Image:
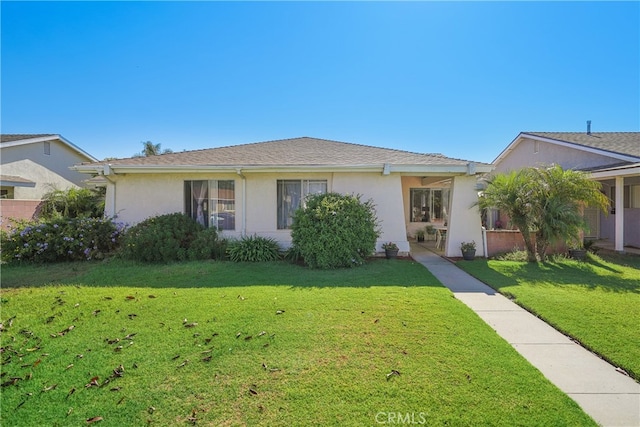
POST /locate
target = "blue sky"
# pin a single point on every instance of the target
(457, 78)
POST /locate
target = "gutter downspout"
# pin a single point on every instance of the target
(243, 217)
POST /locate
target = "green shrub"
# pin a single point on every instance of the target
(515, 255)
(253, 249)
(60, 239)
(72, 203)
(206, 245)
(335, 230)
(163, 238)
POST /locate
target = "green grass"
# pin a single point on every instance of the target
(287, 346)
(597, 302)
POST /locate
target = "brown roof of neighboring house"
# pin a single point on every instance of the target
(625, 143)
(303, 151)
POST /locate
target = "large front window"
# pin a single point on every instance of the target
(429, 204)
(212, 203)
(291, 194)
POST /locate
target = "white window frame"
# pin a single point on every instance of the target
(208, 207)
(288, 203)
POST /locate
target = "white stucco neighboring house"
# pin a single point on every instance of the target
(254, 188)
(612, 158)
(32, 165)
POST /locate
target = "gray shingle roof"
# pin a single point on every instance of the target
(303, 151)
(626, 143)
(10, 137)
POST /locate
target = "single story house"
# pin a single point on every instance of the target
(611, 158)
(254, 188)
(32, 165)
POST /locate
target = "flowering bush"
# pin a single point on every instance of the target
(60, 239)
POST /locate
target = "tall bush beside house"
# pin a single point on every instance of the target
(207, 245)
(334, 230)
(163, 238)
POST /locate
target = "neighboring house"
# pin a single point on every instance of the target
(612, 158)
(255, 188)
(31, 166)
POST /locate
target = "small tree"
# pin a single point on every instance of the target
(513, 193)
(561, 197)
(548, 201)
(335, 230)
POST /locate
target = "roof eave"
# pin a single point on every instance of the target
(628, 170)
(410, 169)
(585, 148)
(52, 137)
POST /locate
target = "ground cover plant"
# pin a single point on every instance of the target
(221, 343)
(597, 302)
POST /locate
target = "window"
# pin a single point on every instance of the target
(291, 195)
(47, 148)
(634, 192)
(6, 193)
(626, 200)
(429, 204)
(212, 203)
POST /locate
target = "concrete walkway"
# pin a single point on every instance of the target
(609, 397)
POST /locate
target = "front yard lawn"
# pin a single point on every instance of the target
(596, 302)
(217, 343)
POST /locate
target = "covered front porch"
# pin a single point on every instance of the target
(444, 208)
(622, 224)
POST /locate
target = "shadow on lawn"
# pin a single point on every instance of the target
(563, 273)
(217, 274)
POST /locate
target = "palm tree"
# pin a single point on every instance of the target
(548, 201)
(562, 196)
(150, 149)
(512, 193)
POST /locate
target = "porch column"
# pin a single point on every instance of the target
(110, 200)
(465, 224)
(619, 219)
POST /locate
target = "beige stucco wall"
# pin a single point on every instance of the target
(386, 193)
(138, 196)
(58, 162)
(524, 154)
(45, 179)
